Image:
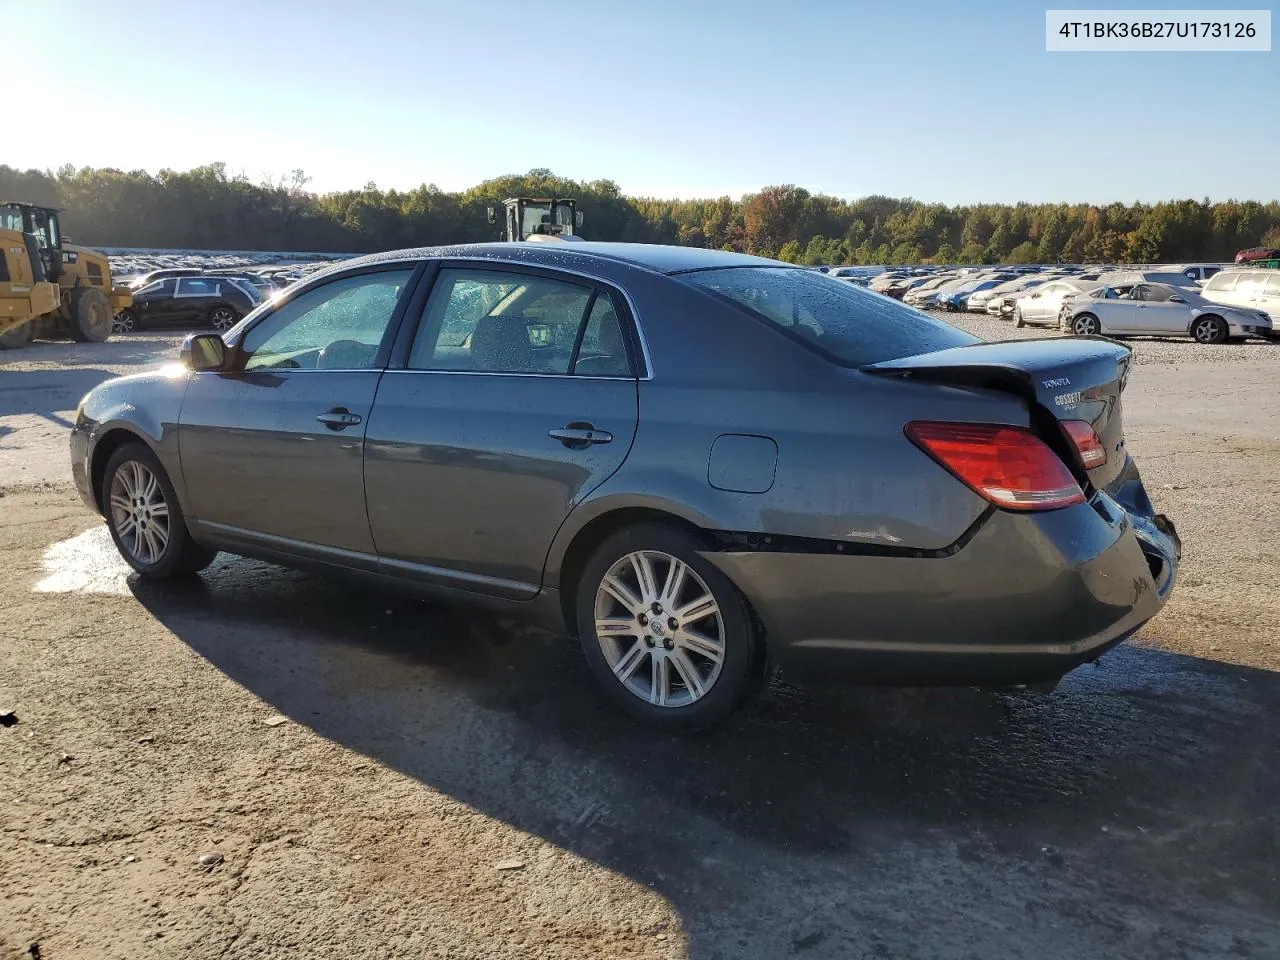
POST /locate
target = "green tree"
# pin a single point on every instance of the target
(790, 252)
(1024, 252)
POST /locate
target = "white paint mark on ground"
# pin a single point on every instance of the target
(87, 563)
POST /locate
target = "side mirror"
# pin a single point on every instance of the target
(577, 218)
(202, 352)
(1177, 299)
(493, 215)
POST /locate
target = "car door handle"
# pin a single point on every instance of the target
(580, 435)
(339, 418)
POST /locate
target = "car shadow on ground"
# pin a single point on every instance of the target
(825, 793)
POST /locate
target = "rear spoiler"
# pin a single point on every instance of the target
(1048, 372)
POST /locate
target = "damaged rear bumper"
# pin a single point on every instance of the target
(1026, 599)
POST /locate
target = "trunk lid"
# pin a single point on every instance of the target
(1070, 379)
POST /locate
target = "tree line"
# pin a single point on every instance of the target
(211, 208)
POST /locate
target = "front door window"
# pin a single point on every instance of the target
(337, 326)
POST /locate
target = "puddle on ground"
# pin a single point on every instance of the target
(87, 563)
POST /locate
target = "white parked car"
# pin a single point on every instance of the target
(989, 300)
(1127, 278)
(1158, 309)
(1197, 273)
(1040, 307)
(1249, 289)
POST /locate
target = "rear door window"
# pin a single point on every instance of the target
(199, 287)
(498, 321)
(840, 321)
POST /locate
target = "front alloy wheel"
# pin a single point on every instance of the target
(1209, 330)
(144, 516)
(140, 513)
(659, 627)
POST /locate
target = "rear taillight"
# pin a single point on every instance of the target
(1009, 466)
(1085, 440)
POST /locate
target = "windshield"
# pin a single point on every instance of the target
(11, 219)
(843, 322)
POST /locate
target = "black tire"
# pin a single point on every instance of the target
(222, 318)
(1209, 329)
(126, 321)
(181, 556)
(90, 315)
(1085, 325)
(18, 337)
(742, 665)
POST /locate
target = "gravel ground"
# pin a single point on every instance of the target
(270, 763)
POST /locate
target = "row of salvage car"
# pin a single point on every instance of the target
(1205, 303)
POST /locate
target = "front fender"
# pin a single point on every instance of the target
(145, 406)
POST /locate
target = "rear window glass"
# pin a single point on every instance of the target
(845, 323)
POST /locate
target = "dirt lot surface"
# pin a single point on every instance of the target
(274, 764)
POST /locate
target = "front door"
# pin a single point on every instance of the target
(1160, 310)
(153, 305)
(272, 449)
(517, 399)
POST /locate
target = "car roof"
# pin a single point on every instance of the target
(650, 256)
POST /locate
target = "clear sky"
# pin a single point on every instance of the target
(949, 101)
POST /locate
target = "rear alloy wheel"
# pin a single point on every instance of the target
(1209, 329)
(1086, 325)
(222, 319)
(144, 517)
(665, 632)
(123, 322)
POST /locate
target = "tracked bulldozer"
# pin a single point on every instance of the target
(49, 288)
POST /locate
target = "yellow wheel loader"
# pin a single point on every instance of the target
(49, 288)
(533, 218)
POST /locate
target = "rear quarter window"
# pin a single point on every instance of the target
(840, 321)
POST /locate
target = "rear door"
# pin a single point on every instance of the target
(193, 298)
(272, 448)
(517, 398)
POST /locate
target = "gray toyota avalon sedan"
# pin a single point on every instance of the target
(699, 463)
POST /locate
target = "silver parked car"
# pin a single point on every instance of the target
(1158, 309)
(1041, 307)
(696, 462)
